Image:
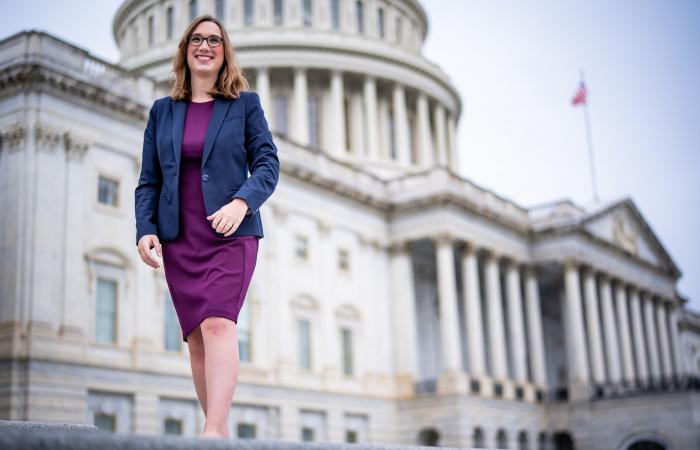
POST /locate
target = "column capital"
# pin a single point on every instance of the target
(529, 270)
(605, 277)
(468, 248)
(299, 70)
(492, 255)
(634, 290)
(571, 263)
(511, 262)
(399, 246)
(443, 237)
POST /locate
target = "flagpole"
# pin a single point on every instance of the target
(590, 143)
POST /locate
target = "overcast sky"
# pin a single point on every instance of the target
(516, 66)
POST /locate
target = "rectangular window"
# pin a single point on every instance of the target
(245, 431)
(343, 259)
(172, 426)
(307, 434)
(347, 351)
(380, 22)
(308, 13)
(278, 11)
(304, 344)
(360, 15)
(248, 12)
(301, 247)
(108, 191)
(350, 436)
(172, 326)
(150, 31)
(243, 333)
(335, 14)
(220, 9)
(169, 22)
(105, 422)
(106, 311)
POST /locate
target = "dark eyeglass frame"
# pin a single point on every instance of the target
(215, 42)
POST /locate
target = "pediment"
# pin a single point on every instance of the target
(622, 225)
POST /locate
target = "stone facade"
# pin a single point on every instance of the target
(394, 301)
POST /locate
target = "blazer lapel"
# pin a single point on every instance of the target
(179, 108)
(221, 106)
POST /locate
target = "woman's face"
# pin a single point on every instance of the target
(205, 60)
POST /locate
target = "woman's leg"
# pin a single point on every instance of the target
(221, 372)
(196, 346)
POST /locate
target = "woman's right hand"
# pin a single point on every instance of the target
(146, 243)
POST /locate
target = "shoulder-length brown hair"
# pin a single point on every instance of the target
(231, 80)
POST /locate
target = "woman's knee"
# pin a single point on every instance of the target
(216, 326)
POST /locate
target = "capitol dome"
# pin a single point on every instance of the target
(345, 77)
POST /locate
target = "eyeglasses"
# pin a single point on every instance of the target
(212, 41)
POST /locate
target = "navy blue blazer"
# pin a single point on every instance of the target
(237, 140)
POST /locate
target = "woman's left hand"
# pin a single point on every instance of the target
(231, 213)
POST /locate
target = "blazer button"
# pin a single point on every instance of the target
(205, 177)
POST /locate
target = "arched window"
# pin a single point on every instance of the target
(248, 10)
(278, 12)
(169, 23)
(360, 16)
(478, 438)
(522, 441)
(335, 14)
(193, 9)
(220, 9)
(151, 31)
(501, 439)
(308, 13)
(380, 22)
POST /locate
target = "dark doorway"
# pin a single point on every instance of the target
(428, 437)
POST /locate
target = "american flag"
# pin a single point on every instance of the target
(580, 96)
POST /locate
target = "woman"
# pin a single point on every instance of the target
(196, 206)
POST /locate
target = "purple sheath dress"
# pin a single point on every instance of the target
(207, 274)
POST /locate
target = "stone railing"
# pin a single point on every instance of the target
(35, 436)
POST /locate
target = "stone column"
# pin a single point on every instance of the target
(337, 113)
(612, 345)
(638, 335)
(576, 339)
(534, 321)
(300, 132)
(371, 124)
(452, 147)
(673, 318)
(652, 341)
(516, 321)
(263, 89)
(440, 138)
(404, 308)
(592, 319)
(473, 316)
(625, 334)
(449, 318)
(497, 338)
(401, 125)
(664, 342)
(424, 146)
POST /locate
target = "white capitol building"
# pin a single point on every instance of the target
(394, 300)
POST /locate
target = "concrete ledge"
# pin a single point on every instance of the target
(13, 439)
(10, 425)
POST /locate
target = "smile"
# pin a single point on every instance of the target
(204, 57)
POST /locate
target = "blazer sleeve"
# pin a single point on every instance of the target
(150, 181)
(261, 155)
